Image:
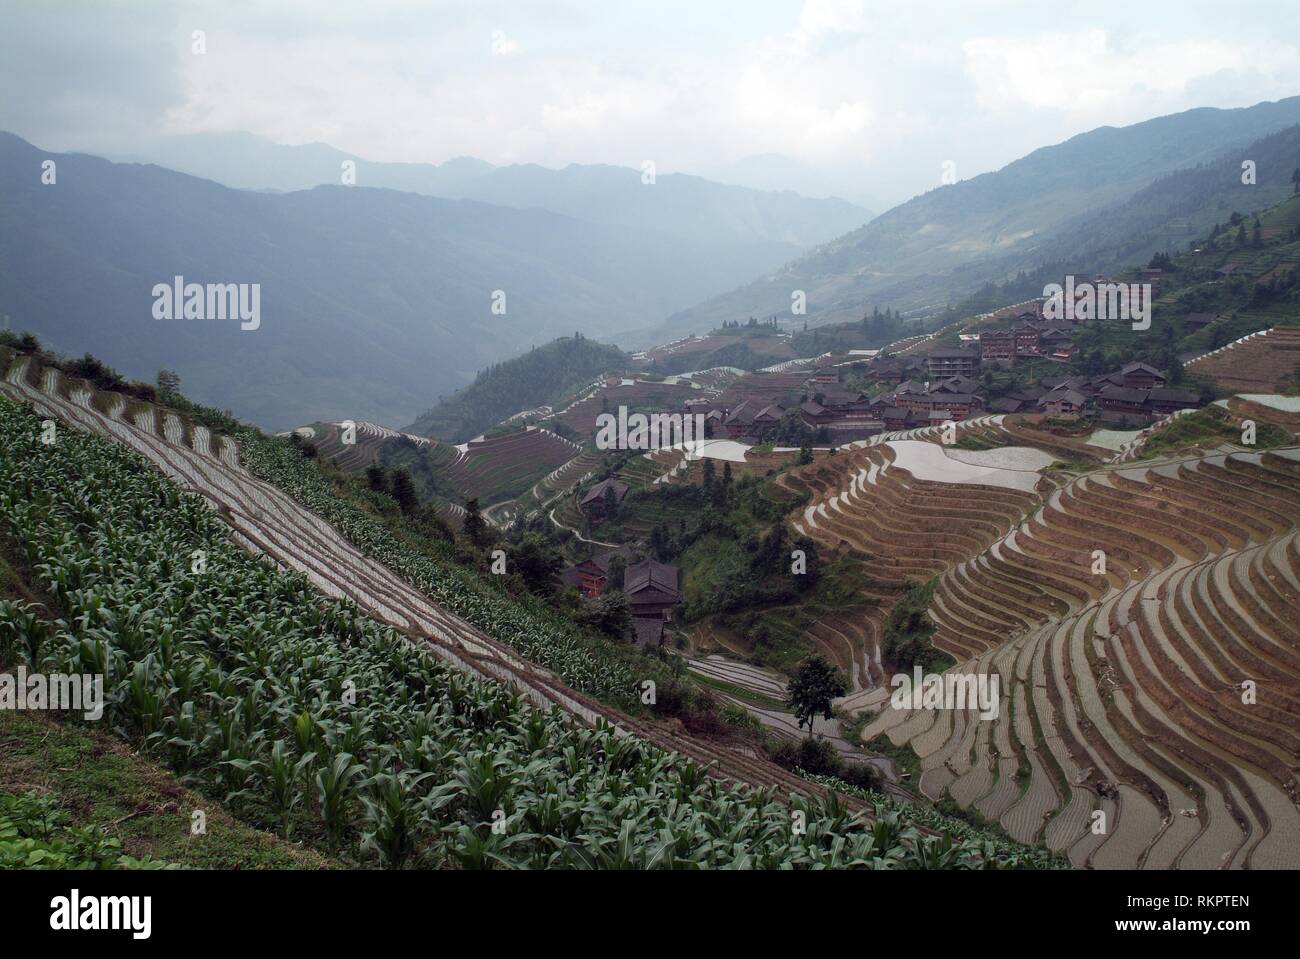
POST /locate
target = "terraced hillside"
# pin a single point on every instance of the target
(890, 506)
(105, 529)
(369, 440)
(492, 470)
(1121, 690)
(637, 395)
(265, 520)
(502, 467)
(1262, 363)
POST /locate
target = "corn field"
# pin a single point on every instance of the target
(541, 637)
(308, 718)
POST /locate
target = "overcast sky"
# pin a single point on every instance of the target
(872, 96)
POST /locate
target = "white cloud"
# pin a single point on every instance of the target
(1086, 72)
(820, 17)
(869, 92)
(503, 46)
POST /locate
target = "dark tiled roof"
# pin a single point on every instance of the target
(597, 492)
(1121, 394)
(955, 384)
(649, 574)
(1073, 397)
(743, 414)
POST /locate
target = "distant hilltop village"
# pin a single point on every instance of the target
(855, 394)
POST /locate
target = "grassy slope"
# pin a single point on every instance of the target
(98, 781)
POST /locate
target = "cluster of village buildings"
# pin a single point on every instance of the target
(918, 390)
(650, 587)
(942, 385)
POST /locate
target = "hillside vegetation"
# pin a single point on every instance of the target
(373, 302)
(320, 722)
(1094, 202)
(542, 376)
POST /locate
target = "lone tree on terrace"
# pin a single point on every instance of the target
(474, 526)
(814, 687)
(169, 381)
(404, 491)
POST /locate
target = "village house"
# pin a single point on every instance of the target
(1063, 404)
(943, 363)
(593, 504)
(1056, 342)
(766, 420)
(739, 421)
(814, 414)
(896, 418)
(1139, 376)
(1163, 400)
(955, 384)
(1123, 399)
(955, 406)
(591, 576)
(998, 346)
(652, 594)
(895, 369)
(1027, 340)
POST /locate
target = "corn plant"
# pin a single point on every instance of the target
(236, 682)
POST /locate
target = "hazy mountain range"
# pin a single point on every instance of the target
(674, 203)
(1060, 203)
(374, 302)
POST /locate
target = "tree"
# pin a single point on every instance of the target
(376, 478)
(708, 475)
(661, 543)
(1295, 178)
(537, 561)
(614, 575)
(168, 381)
(805, 455)
(726, 473)
(611, 502)
(608, 613)
(404, 491)
(474, 526)
(816, 684)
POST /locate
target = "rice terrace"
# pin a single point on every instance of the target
(438, 438)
